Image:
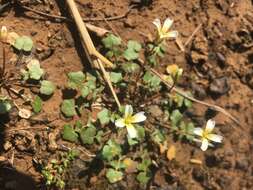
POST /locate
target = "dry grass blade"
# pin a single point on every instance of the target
(90, 49)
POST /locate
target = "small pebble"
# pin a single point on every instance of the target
(219, 86)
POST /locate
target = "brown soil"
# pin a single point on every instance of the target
(222, 48)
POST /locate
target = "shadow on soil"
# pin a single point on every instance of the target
(10, 178)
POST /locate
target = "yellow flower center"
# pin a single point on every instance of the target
(129, 120)
(205, 134)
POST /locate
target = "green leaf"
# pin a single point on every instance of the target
(111, 40)
(189, 131)
(85, 91)
(179, 100)
(69, 134)
(132, 51)
(116, 164)
(176, 117)
(24, 74)
(110, 150)
(5, 105)
(87, 134)
(24, 43)
(104, 116)
(91, 84)
(37, 104)
(68, 108)
(187, 103)
(99, 135)
(75, 79)
(47, 87)
(143, 177)
(152, 80)
(131, 141)
(115, 77)
(158, 136)
(134, 45)
(78, 125)
(34, 70)
(113, 175)
(140, 132)
(130, 54)
(130, 67)
(144, 165)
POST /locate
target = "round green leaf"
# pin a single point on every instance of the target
(69, 134)
(115, 77)
(88, 134)
(23, 43)
(28, 43)
(47, 87)
(113, 175)
(68, 108)
(34, 70)
(75, 79)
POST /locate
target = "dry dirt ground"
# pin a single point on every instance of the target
(219, 57)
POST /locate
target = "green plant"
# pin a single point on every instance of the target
(151, 81)
(86, 134)
(54, 171)
(37, 104)
(47, 87)
(34, 71)
(144, 174)
(68, 108)
(112, 43)
(23, 43)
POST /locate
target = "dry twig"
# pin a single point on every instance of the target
(84, 19)
(178, 91)
(192, 35)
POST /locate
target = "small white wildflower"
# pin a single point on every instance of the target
(129, 119)
(163, 31)
(206, 135)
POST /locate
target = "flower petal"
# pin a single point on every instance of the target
(204, 144)
(128, 111)
(198, 131)
(166, 25)
(171, 34)
(210, 125)
(197, 140)
(120, 123)
(215, 138)
(139, 117)
(132, 132)
(157, 23)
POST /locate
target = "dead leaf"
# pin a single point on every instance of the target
(101, 32)
(24, 113)
(196, 161)
(131, 166)
(172, 69)
(171, 153)
(163, 147)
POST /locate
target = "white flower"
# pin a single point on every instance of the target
(163, 31)
(129, 119)
(206, 135)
